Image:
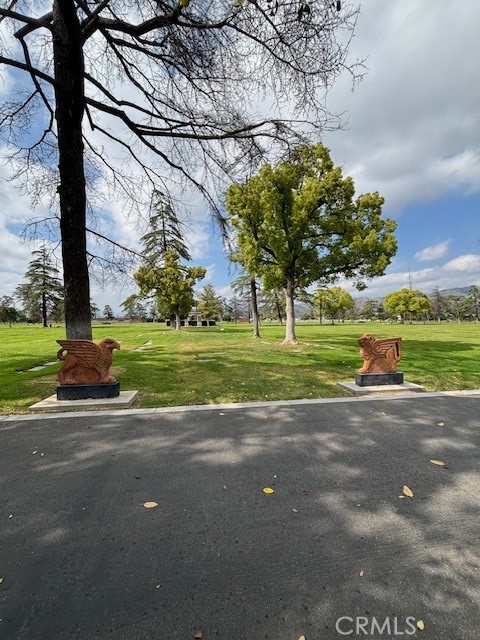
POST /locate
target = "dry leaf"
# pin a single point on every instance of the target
(359, 504)
(10, 516)
(157, 586)
(302, 638)
(221, 414)
(150, 505)
(1, 580)
(421, 625)
(439, 463)
(33, 453)
(225, 487)
(441, 424)
(294, 510)
(401, 496)
(198, 634)
(268, 490)
(362, 573)
(407, 491)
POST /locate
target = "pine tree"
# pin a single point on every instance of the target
(164, 231)
(209, 304)
(43, 291)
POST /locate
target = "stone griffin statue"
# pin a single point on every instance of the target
(86, 362)
(380, 356)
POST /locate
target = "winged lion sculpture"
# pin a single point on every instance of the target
(86, 362)
(380, 356)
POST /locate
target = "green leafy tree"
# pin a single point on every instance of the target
(296, 223)
(209, 304)
(273, 304)
(134, 308)
(172, 284)
(94, 309)
(169, 86)
(237, 308)
(108, 313)
(319, 302)
(369, 309)
(438, 304)
(8, 313)
(457, 306)
(411, 302)
(334, 302)
(474, 297)
(246, 287)
(43, 291)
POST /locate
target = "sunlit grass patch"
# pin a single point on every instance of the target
(199, 365)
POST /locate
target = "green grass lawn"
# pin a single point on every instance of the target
(225, 364)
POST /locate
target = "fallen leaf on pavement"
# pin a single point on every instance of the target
(441, 424)
(439, 463)
(268, 490)
(302, 638)
(198, 634)
(34, 452)
(1, 580)
(362, 573)
(294, 510)
(150, 505)
(421, 625)
(407, 491)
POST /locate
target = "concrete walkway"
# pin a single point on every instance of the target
(334, 550)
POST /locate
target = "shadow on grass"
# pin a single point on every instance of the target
(83, 559)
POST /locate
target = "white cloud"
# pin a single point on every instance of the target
(434, 251)
(413, 130)
(461, 271)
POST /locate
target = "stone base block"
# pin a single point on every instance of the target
(375, 379)
(87, 391)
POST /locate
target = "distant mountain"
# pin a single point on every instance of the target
(456, 291)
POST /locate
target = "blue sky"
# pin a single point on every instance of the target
(413, 134)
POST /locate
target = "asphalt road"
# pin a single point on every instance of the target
(334, 547)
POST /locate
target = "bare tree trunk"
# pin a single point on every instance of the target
(70, 104)
(255, 315)
(44, 308)
(290, 337)
(178, 321)
(279, 309)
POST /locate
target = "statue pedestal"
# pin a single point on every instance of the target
(87, 391)
(374, 379)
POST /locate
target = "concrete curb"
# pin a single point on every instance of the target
(475, 393)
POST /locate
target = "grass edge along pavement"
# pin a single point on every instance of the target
(224, 364)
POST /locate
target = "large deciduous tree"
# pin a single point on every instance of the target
(411, 302)
(296, 222)
(169, 84)
(333, 302)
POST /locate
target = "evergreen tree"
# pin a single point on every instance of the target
(209, 304)
(8, 313)
(172, 284)
(108, 313)
(43, 291)
(164, 231)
